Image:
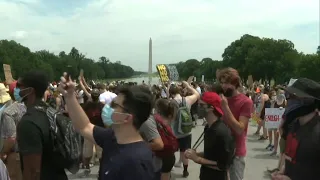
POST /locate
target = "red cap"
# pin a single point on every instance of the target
(214, 100)
(12, 86)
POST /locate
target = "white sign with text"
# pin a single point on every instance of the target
(273, 117)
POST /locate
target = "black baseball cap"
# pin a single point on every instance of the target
(306, 88)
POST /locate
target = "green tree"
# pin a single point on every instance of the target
(23, 60)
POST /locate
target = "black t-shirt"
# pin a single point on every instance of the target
(34, 138)
(218, 146)
(123, 161)
(303, 151)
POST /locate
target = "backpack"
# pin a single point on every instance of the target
(66, 142)
(170, 142)
(185, 123)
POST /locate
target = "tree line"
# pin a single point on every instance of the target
(23, 60)
(263, 58)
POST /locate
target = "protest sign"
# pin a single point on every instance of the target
(162, 70)
(167, 72)
(173, 72)
(7, 73)
(273, 117)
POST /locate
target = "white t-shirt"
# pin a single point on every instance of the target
(80, 97)
(107, 97)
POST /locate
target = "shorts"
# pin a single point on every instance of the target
(236, 170)
(88, 149)
(184, 143)
(282, 145)
(167, 163)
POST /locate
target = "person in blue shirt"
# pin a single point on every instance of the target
(126, 156)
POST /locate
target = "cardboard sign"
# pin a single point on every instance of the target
(273, 117)
(167, 72)
(7, 73)
(173, 72)
(162, 70)
(250, 81)
(81, 73)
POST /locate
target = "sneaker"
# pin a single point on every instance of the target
(273, 170)
(263, 138)
(273, 153)
(178, 164)
(85, 173)
(185, 174)
(268, 146)
(271, 148)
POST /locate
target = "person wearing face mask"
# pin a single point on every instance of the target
(302, 133)
(237, 109)
(125, 155)
(9, 120)
(33, 131)
(218, 141)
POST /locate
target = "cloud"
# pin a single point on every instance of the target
(180, 29)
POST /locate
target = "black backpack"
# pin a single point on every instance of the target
(66, 141)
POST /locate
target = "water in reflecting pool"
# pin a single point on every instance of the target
(154, 80)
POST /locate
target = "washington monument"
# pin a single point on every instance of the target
(150, 60)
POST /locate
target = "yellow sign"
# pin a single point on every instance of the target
(255, 118)
(163, 73)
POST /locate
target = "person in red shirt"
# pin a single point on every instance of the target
(237, 109)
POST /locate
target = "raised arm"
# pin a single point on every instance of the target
(195, 94)
(79, 118)
(84, 88)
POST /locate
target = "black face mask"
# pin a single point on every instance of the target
(202, 112)
(299, 112)
(299, 107)
(228, 92)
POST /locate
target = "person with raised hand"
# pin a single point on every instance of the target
(125, 154)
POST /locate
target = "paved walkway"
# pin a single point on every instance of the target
(258, 160)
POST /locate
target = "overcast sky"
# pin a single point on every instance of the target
(180, 29)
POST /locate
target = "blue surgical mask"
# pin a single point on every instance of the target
(16, 94)
(106, 115)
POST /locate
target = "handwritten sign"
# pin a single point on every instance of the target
(173, 72)
(7, 73)
(167, 72)
(273, 117)
(163, 73)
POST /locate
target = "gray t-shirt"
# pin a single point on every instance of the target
(4, 175)
(149, 131)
